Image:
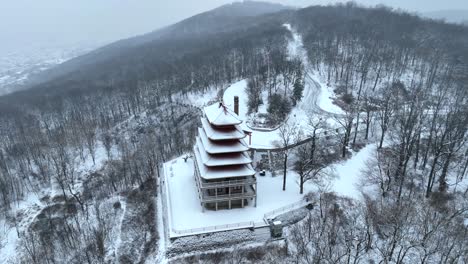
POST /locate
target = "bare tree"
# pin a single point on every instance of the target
(311, 158)
(107, 142)
(379, 171)
(346, 122)
(289, 135)
(333, 232)
(386, 106)
(254, 93)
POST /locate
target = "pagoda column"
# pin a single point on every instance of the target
(229, 192)
(242, 196)
(216, 195)
(255, 192)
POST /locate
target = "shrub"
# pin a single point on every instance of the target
(279, 107)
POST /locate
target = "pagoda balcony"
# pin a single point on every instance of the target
(226, 194)
(208, 197)
(228, 183)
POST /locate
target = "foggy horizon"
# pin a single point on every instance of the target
(53, 22)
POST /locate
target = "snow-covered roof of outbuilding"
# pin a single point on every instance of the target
(214, 133)
(214, 147)
(212, 173)
(209, 160)
(220, 115)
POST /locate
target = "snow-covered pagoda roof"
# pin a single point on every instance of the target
(209, 160)
(214, 133)
(212, 173)
(214, 147)
(220, 115)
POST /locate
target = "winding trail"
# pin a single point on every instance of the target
(314, 96)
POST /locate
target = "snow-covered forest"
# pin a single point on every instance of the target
(366, 109)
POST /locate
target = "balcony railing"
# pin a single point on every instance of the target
(206, 198)
(233, 183)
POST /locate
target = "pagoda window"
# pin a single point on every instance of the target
(221, 191)
(236, 189)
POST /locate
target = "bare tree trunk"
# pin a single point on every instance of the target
(430, 181)
(301, 187)
(443, 175)
(285, 168)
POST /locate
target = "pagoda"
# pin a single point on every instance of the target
(224, 174)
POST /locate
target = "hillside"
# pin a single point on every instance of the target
(360, 114)
(452, 16)
(154, 45)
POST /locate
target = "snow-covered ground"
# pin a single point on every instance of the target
(186, 211)
(8, 242)
(201, 99)
(100, 158)
(349, 173)
(31, 205)
(237, 89)
(8, 233)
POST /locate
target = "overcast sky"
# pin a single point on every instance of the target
(23, 22)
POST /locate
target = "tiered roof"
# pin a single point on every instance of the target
(220, 150)
(234, 132)
(220, 147)
(220, 172)
(237, 158)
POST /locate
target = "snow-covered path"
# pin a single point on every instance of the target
(317, 95)
(299, 115)
(322, 94)
(317, 100)
(305, 109)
